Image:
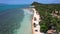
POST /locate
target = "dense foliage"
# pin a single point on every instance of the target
(47, 19)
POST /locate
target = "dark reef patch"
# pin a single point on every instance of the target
(10, 20)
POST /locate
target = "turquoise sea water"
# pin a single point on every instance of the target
(14, 20)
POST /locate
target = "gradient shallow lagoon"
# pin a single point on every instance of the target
(15, 21)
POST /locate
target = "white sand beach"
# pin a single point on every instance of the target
(36, 15)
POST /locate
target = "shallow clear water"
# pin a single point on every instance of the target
(26, 24)
(15, 21)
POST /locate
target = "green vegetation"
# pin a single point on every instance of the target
(45, 11)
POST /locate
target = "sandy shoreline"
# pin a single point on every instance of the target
(35, 14)
(36, 22)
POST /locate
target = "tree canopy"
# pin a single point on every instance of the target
(45, 11)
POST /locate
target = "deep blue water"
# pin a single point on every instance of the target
(10, 18)
(4, 7)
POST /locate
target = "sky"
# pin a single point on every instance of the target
(28, 1)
